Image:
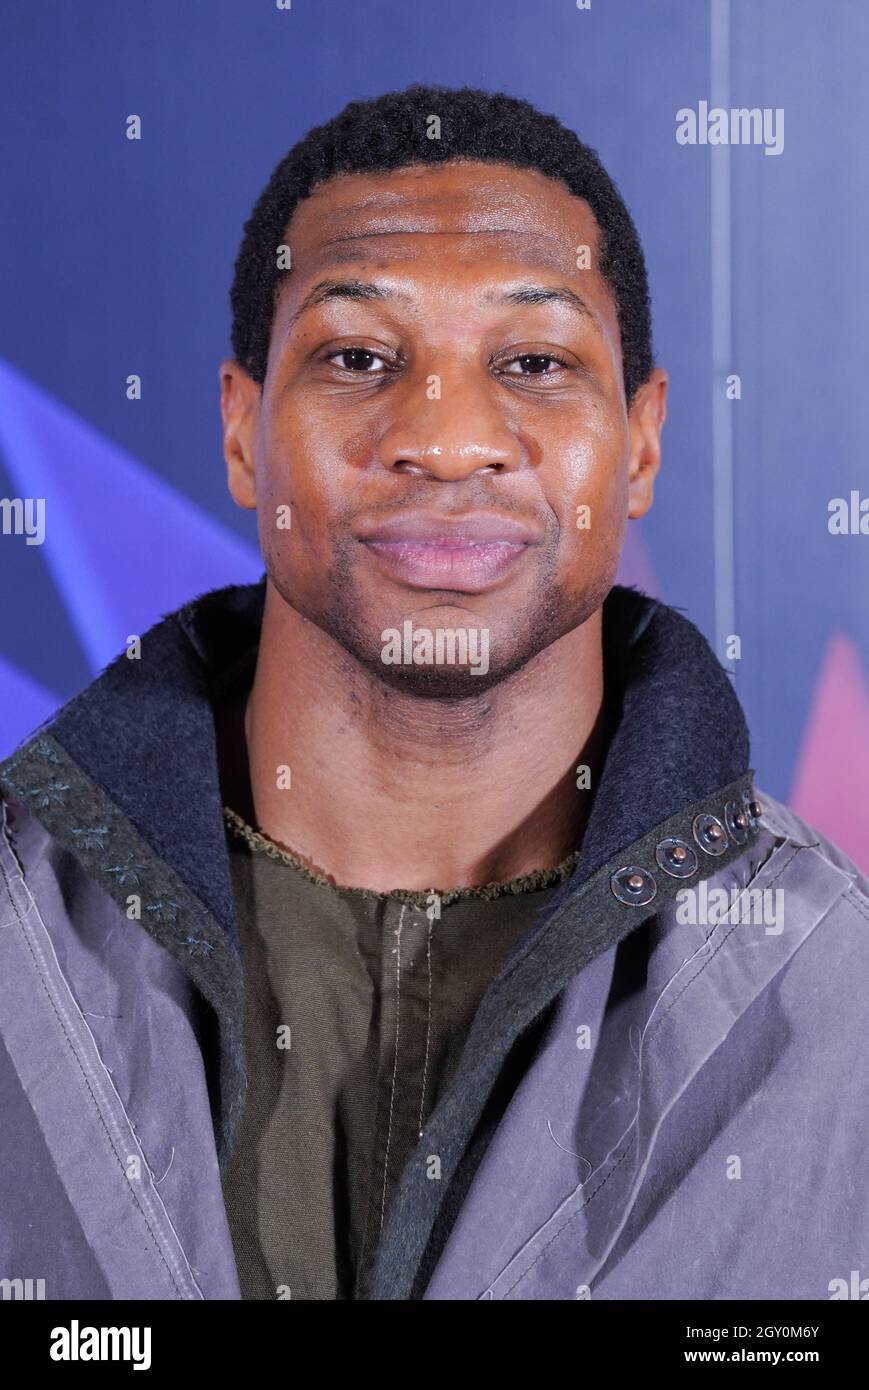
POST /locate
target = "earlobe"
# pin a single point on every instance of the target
(239, 403)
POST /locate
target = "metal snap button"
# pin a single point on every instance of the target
(634, 886)
(710, 834)
(737, 822)
(676, 857)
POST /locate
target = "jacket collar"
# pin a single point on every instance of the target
(681, 733)
(126, 777)
(143, 731)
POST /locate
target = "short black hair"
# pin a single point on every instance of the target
(391, 132)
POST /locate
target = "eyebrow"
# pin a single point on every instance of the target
(343, 289)
(544, 294)
(368, 289)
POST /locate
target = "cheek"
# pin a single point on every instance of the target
(310, 460)
(586, 482)
(317, 449)
(297, 465)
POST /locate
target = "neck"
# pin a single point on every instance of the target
(388, 790)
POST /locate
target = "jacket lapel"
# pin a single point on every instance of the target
(125, 778)
(77, 1010)
(700, 982)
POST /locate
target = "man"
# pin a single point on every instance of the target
(408, 925)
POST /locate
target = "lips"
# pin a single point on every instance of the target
(465, 554)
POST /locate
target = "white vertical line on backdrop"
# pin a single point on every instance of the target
(722, 364)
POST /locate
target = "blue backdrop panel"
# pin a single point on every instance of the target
(118, 256)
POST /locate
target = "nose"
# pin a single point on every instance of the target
(448, 428)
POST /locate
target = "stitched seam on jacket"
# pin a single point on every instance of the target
(75, 1052)
(632, 1127)
(858, 902)
(721, 943)
(563, 918)
(569, 908)
(219, 978)
(14, 918)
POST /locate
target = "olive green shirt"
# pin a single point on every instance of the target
(357, 1007)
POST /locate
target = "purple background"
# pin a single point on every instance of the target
(117, 258)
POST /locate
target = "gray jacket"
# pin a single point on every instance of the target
(678, 1045)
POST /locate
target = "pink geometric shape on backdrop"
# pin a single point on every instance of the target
(831, 785)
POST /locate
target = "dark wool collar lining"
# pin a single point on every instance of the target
(681, 731)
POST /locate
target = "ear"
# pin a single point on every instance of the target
(645, 422)
(239, 409)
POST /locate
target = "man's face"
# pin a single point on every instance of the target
(444, 414)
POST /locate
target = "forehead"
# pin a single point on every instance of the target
(463, 210)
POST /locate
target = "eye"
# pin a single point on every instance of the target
(357, 359)
(535, 364)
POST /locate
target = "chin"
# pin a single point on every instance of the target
(436, 683)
